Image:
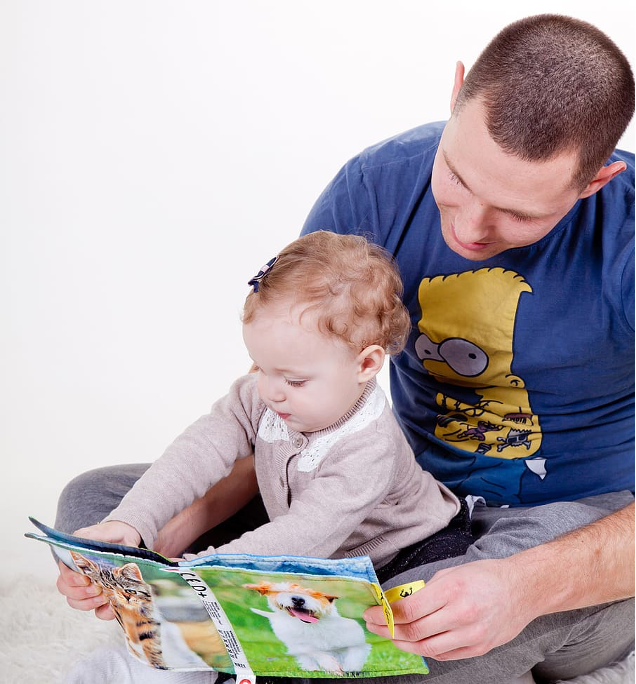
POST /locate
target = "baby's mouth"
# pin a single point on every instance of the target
(303, 615)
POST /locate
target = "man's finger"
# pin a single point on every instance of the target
(451, 645)
(416, 631)
(374, 616)
(431, 625)
(424, 602)
(407, 610)
(381, 630)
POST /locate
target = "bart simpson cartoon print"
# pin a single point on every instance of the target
(469, 343)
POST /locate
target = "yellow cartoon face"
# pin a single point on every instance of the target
(466, 339)
(467, 326)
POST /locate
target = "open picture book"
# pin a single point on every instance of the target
(285, 616)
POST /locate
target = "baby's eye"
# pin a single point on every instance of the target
(295, 383)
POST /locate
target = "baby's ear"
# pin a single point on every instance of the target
(370, 361)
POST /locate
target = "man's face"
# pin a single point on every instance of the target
(491, 201)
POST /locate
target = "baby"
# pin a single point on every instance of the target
(334, 470)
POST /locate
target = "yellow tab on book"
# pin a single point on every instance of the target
(388, 613)
(403, 590)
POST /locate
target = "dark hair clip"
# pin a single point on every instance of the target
(262, 273)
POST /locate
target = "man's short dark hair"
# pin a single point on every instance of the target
(552, 84)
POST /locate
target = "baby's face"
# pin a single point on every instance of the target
(310, 379)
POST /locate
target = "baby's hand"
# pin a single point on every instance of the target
(112, 531)
(80, 592)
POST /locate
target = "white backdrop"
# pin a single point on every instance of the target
(152, 156)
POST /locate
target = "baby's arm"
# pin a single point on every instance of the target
(204, 514)
(199, 458)
(220, 502)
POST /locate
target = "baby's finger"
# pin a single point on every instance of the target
(105, 612)
(85, 532)
(96, 532)
(85, 604)
(81, 593)
(70, 577)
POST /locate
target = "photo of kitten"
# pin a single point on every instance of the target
(162, 643)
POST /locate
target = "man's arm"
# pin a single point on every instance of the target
(467, 610)
(586, 567)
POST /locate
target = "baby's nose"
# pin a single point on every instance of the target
(277, 396)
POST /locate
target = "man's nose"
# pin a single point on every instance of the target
(472, 223)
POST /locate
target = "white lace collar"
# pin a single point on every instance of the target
(272, 428)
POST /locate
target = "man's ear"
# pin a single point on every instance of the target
(459, 80)
(603, 177)
(370, 360)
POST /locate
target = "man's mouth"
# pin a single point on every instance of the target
(303, 615)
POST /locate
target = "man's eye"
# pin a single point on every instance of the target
(519, 218)
(454, 178)
(295, 383)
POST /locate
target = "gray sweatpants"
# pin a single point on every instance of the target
(557, 646)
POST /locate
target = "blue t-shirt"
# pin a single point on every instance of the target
(517, 381)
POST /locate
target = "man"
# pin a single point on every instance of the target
(512, 225)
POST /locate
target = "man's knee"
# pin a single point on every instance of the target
(91, 496)
(513, 530)
(73, 499)
(603, 636)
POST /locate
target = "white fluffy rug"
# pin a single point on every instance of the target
(41, 637)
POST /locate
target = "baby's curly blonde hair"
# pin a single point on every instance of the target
(351, 285)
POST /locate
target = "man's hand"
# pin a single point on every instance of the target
(461, 612)
(80, 592)
(467, 610)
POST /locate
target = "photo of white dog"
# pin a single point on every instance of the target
(308, 623)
